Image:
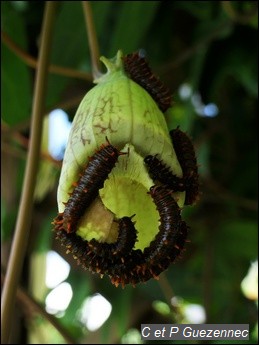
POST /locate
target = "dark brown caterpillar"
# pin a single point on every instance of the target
(100, 257)
(186, 156)
(159, 171)
(87, 187)
(170, 240)
(172, 230)
(125, 242)
(119, 260)
(163, 250)
(134, 266)
(136, 66)
(81, 252)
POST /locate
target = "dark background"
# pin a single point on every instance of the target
(209, 46)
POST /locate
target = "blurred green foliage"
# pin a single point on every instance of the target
(211, 47)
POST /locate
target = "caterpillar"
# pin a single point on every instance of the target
(126, 240)
(170, 240)
(82, 252)
(163, 250)
(119, 260)
(159, 171)
(136, 66)
(186, 156)
(87, 187)
(129, 266)
(100, 257)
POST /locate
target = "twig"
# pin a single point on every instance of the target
(64, 105)
(240, 17)
(67, 104)
(12, 151)
(18, 153)
(169, 294)
(92, 38)
(166, 288)
(32, 62)
(11, 134)
(23, 222)
(208, 267)
(220, 192)
(31, 305)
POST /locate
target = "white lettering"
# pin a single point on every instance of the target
(143, 332)
(209, 331)
(173, 330)
(186, 333)
(246, 333)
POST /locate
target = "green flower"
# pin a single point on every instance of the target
(123, 112)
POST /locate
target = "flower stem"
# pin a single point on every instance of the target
(23, 222)
(92, 38)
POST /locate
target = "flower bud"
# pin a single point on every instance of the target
(118, 110)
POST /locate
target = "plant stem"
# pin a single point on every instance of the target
(23, 223)
(169, 294)
(32, 62)
(166, 288)
(31, 306)
(92, 38)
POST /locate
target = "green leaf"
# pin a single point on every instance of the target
(133, 21)
(14, 170)
(15, 78)
(7, 221)
(69, 47)
(44, 236)
(199, 9)
(102, 11)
